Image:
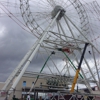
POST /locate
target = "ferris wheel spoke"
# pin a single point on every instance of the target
(51, 2)
(62, 30)
(58, 30)
(83, 35)
(70, 29)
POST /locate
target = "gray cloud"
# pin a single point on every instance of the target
(14, 44)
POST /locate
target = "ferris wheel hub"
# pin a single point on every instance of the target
(56, 10)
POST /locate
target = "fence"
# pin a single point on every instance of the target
(22, 95)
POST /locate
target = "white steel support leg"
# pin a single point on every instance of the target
(33, 54)
(12, 76)
(80, 51)
(35, 80)
(87, 84)
(96, 68)
(68, 70)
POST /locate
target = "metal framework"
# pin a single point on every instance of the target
(59, 31)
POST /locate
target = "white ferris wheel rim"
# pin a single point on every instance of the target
(43, 12)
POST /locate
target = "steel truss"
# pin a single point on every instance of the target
(58, 40)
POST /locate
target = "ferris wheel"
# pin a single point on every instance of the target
(62, 28)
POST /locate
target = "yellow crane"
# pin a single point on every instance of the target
(78, 69)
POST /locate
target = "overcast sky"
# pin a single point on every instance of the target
(14, 44)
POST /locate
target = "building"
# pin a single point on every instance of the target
(42, 88)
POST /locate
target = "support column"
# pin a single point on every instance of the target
(12, 76)
(33, 54)
(80, 51)
(65, 17)
(96, 67)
